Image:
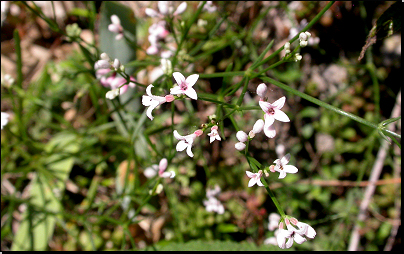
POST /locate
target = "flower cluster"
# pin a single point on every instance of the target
(296, 233)
(212, 204)
(158, 31)
(116, 27)
(106, 72)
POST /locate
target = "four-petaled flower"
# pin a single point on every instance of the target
(160, 169)
(185, 142)
(293, 234)
(282, 168)
(185, 85)
(273, 111)
(152, 101)
(255, 178)
(214, 135)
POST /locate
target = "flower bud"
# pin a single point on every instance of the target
(241, 136)
(251, 134)
(163, 164)
(116, 64)
(112, 94)
(303, 37)
(169, 98)
(262, 90)
(198, 133)
(240, 146)
(303, 44)
(308, 34)
(104, 56)
(258, 126)
(102, 64)
(297, 57)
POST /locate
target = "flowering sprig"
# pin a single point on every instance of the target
(185, 142)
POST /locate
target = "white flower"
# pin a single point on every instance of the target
(255, 178)
(273, 111)
(4, 119)
(185, 142)
(7, 81)
(166, 66)
(213, 205)
(304, 228)
(185, 85)
(152, 101)
(214, 135)
(112, 94)
(273, 221)
(154, 169)
(291, 234)
(282, 168)
(116, 27)
(240, 146)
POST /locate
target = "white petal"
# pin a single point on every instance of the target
(149, 172)
(241, 136)
(285, 160)
(239, 146)
(259, 183)
(179, 78)
(269, 131)
(181, 146)
(250, 174)
(211, 139)
(282, 175)
(299, 239)
(163, 7)
(311, 233)
(163, 164)
(258, 126)
(113, 28)
(152, 13)
(265, 106)
(281, 116)
(252, 182)
(176, 90)
(115, 20)
(269, 120)
(289, 243)
(148, 90)
(191, 80)
(178, 136)
(189, 151)
(191, 93)
(181, 8)
(279, 103)
(290, 169)
(150, 109)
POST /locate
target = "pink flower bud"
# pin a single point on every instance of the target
(239, 146)
(169, 98)
(241, 136)
(258, 126)
(198, 133)
(281, 225)
(272, 168)
(262, 90)
(214, 128)
(294, 221)
(287, 222)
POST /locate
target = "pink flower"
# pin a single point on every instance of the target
(282, 168)
(116, 27)
(160, 169)
(152, 101)
(185, 85)
(185, 142)
(273, 111)
(255, 178)
(214, 135)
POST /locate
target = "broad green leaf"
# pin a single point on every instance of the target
(37, 225)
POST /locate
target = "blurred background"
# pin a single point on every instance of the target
(68, 125)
